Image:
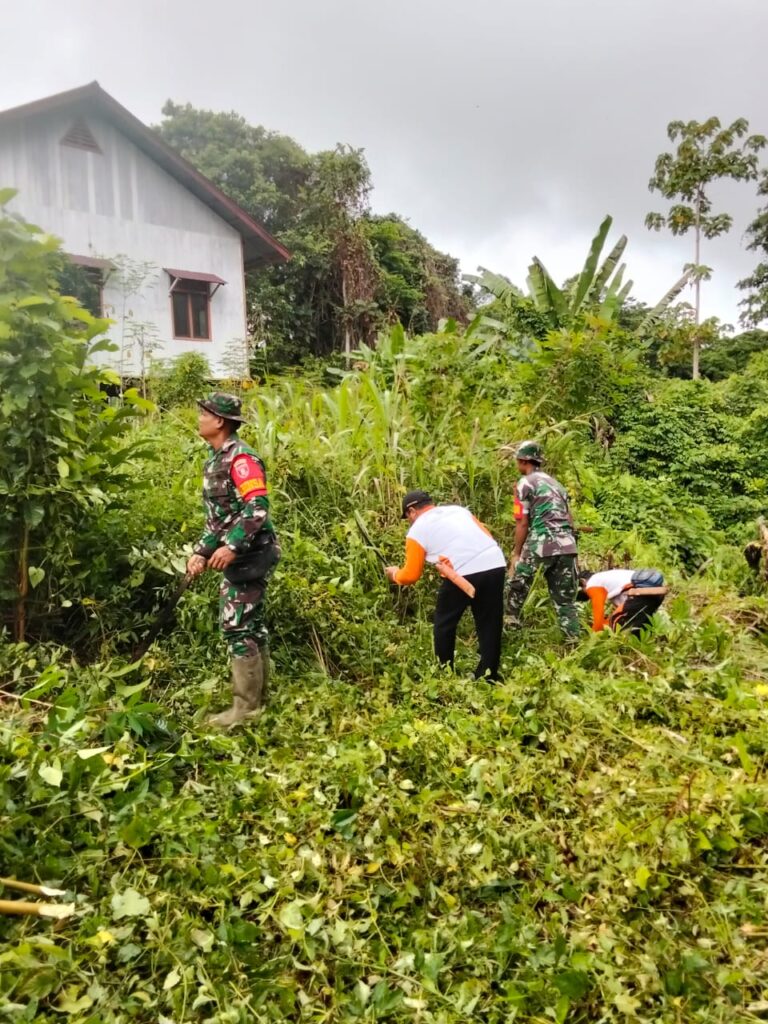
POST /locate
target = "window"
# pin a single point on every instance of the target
(84, 277)
(190, 301)
(191, 296)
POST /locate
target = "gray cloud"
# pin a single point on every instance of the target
(500, 129)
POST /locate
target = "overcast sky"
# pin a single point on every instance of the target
(500, 129)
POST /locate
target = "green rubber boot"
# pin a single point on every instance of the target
(249, 684)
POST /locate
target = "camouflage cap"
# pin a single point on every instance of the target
(221, 403)
(529, 451)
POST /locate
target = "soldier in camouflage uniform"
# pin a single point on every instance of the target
(238, 540)
(544, 537)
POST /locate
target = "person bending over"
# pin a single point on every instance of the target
(450, 536)
(622, 597)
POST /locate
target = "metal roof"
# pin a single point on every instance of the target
(259, 247)
(194, 275)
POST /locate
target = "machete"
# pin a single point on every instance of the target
(367, 538)
(164, 619)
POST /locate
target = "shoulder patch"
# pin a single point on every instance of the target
(248, 476)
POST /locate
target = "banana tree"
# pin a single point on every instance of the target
(598, 290)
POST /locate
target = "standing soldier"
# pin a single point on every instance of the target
(544, 536)
(238, 540)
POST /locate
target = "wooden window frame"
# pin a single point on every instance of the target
(181, 287)
(103, 268)
(101, 281)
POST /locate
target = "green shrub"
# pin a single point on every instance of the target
(181, 380)
(67, 453)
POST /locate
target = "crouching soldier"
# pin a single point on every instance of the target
(544, 538)
(634, 596)
(240, 542)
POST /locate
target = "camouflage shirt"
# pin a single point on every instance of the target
(545, 502)
(235, 496)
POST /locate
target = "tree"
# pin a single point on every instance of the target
(263, 171)
(598, 290)
(706, 152)
(342, 283)
(336, 201)
(62, 442)
(756, 302)
(669, 344)
(418, 285)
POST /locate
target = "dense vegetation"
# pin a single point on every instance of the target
(584, 842)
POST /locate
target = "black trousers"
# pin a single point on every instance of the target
(487, 611)
(636, 612)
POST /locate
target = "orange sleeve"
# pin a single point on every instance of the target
(598, 597)
(483, 527)
(415, 556)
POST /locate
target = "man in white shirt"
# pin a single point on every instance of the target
(439, 532)
(619, 588)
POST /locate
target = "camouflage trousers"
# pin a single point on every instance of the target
(242, 619)
(560, 574)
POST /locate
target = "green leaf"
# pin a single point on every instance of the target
(587, 275)
(385, 999)
(611, 262)
(663, 304)
(70, 1001)
(573, 984)
(172, 979)
(63, 468)
(747, 764)
(33, 515)
(641, 877)
(626, 1004)
(291, 918)
(129, 903)
(202, 938)
(86, 753)
(128, 691)
(51, 773)
(133, 398)
(547, 296)
(343, 820)
(36, 576)
(561, 1009)
(137, 832)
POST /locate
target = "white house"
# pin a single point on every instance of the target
(165, 248)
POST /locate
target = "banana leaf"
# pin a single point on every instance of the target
(607, 306)
(587, 275)
(663, 304)
(497, 285)
(546, 295)
(611, 261)
(617, 293)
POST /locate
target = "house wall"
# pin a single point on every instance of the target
(120, 203)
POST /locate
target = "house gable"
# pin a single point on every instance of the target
(88, 166)
(259, 247)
